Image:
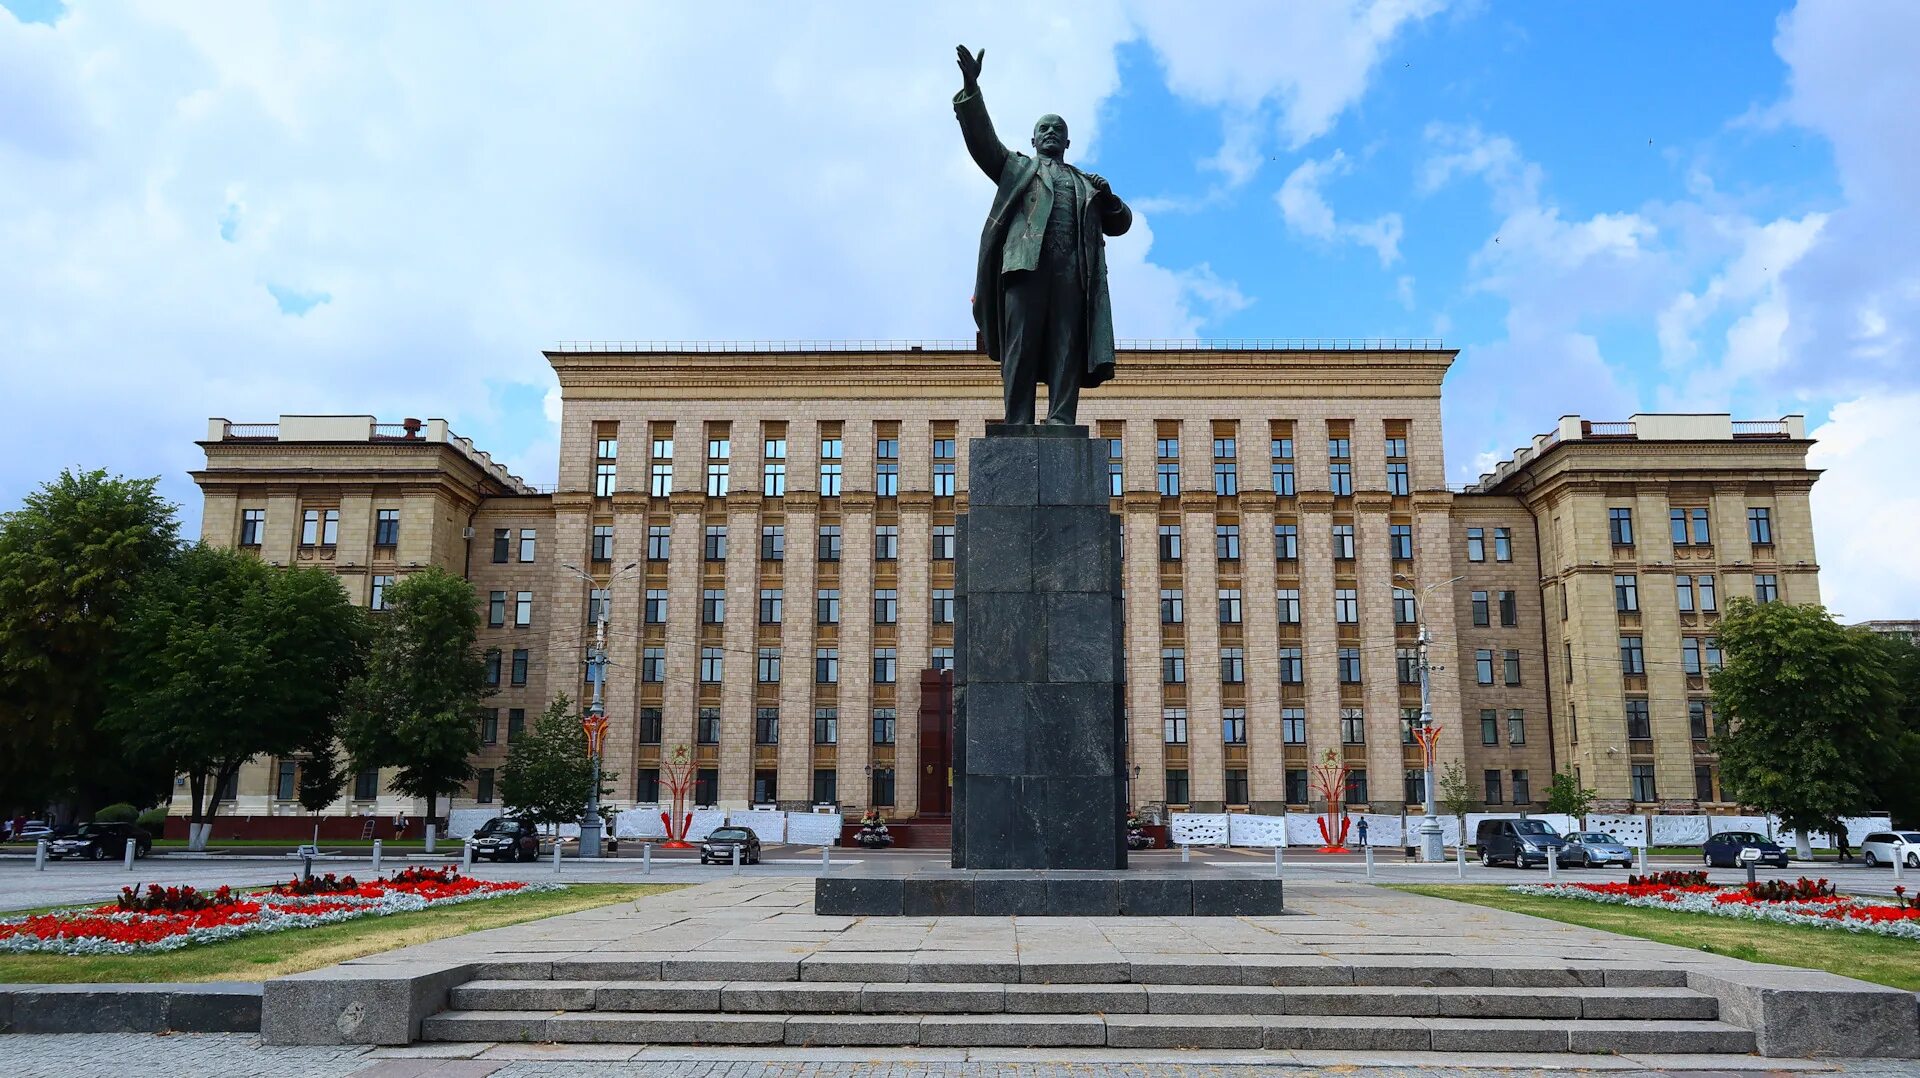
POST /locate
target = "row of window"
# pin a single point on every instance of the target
(1299, 790)
(773, 469)
(1701, 725)
(1698, 655)
(768, 665)
(320, 527)
(1690, 526)
(1293, 725)
(286, 783)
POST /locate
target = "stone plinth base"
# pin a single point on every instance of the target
(1044, 893)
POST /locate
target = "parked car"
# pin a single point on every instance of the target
(1888, 847)
(719, 846)
(30, 831)
(1521, 842)
(505, 838)
(1595, 849)
(99, 841)
(1723, 849)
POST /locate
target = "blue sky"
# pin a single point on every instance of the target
(245, 209)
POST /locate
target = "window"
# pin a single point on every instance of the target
(766, 726)
(653, 664)
(654, 612)
(1516, 727)
(772, 606)
(1169, 542)
(1503, 544)
(1626, 593)
(943, 606)
(942, 658)
(1292, 667)
(826, 726)
(1708, 602)
(1236, 783)
(1287, 600)
(1760, 526)
(826, 786)
(1632, 660)
(1173, 666)
(1491, 783)
(830, 542)
(713, 606)
(1397, 477)
(1297, 793)
(1343, 542)
(1710, 652)
(706, 786)
(886, 666)
(714, 547)
(707, 727)
(1400, 542)
(601, 548)
(886, 468)
(830, 455)
(1233, 666)
(1639, 720)
(943, 542)
(1349, 666)
(516, 723)
(1476, 544)
(253, 526)
(882, 786)
(1405, 608)
(1489, 726)
(660, 479)
(518, 674)
(1173, 725)
(378, 599)
(1166, 478)
(1172, 607)
(386, 527)
(1226, 542)
(490, 726)
(605, 466)
(659, 542)
(1620, 526)
(1229, 606)
(1286, 542)
(366, 785)
(496, 609)
(527, 536)
(522, 609)
(943, 467)
(1766, 587)
(1293, 725)
(1340, 477)
(886, 543)
(1690, 521)
(886, 606)
(767, 668)
(827, 607)
(1283, 467)
(773, 542)
(1690, 656)
(1703, 782)
(1683, 593)
(1406, 663)
(1346, 606)
(1480, 613)
(1396, 448)
(1416, 785)
(1226, 476)
(713, 665)
(646, 787)
(1483, 666)
(1643, 787)
(1510, 663)
(1698, 725)
(650, 722)
(1116, 469)
(283, 783)
(1176, 786)
(773, 468)
(599, 604)
(1509, 610)
(1356, 787)
(826, 666)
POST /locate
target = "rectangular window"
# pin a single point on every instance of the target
(942, 658)
(1293, 725)
(1356, 787)
(1400, 542)
(1116, 469)
(826, 666)
(1643, 786)
(646, 787)
(826, 726)
(1760, 526)
(714, 544)
(713, 665)
(707, 726)
(1340, 477)
(1633, 661)
(602, 546)
(496, 609)
(1690, 526)
(1698, 725)
(1708, 601)
(1166, 478)
(1503, 544)
(1509, 609)
(284, 784)
(706, 786)
(830, 479)
(1490, 780)
(1710, 652)
(1286, 542)
(1396, 448)
(1639, 720)
(1343, 542)
(490, 726)
(659, 542)
(1287, 600)
(1489, 726)
(883, 725)
(1176, 786)
(1292, 667)
(1481, 617)
(773, 542)
(1346, 606)
(1229, 606)
(1283, 467)
(1476, 544)
(773, 479)
(772, 606)
(1172, 607)
(882, 795)
(1236, 786)
(886, 543)
(1483, 666)
(943, 535)
(1226, 542)
(1233, 666)
(1297, 786)
(655, 609)
(886, 666)
(599, 605)
(660, 479)
(767, 668)
(366, 785)
(827, 607)
(1406, 663)
(1516, 727)
(943, 606)
(518, 673)
(1510, 664)
(1169, 542)
(653, 665)
(377, 600)
(1703, 782)
(830, 542)
(516, 723)
(1226, 477)
(605, 478)
(1522, 787)
(522, 609)
(886, 606)
(766, 726)
(1173, 666)
(944, 454)
(253, 527)
(386, 527)
(826, 786)
(886, 479)
(527, 537)
(1349, 666)
(1766, 587)
(1406, 609)
(1173, 725)
(1690, 656)
(650, 723)
(1397, 478)
(1620, 526)
(1683, 593)
(1416, 785)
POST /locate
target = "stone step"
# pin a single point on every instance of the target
(848, 998)
(1345, 1032)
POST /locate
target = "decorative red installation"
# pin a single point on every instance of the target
(1330, 778)
(677, 773)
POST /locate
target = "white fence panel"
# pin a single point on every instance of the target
(1248, 830)
(704, 822)
(1303, 829)
(1631, 831)
(769, 825)
(1382, 830)
(1859, 827)
(462, 823)
(1680, 830)
(813, 828)
(640, 822)
(1721, 824)
(1198, 828)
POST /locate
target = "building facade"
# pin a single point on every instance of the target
(770, 534)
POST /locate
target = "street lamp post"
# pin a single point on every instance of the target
(1432, 849)
(590, 823)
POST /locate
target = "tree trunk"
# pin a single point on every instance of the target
(1802, 846)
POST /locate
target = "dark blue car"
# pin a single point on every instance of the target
(1723, 849)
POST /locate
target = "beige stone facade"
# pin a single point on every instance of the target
(771, 531)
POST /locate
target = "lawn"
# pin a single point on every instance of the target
(1880, 959)
(255, 958)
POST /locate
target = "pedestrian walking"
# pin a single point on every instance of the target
(1363, 830)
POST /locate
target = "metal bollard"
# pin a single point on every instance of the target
(646, 858)
(40, 856)
(1553, 862)
(1186, 854)
(431, 831)
(1369, 852)
(556, 855)
(826, 857)
(1899, 866)
(1460, 861)
(129, 855)
(376, 855)
(1279, 859)
(736, 858)
(1643, 860)
(466, 856)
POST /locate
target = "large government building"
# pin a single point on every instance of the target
(770, 530)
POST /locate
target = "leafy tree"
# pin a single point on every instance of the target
(1567, 797)
(71, 558)
(413, 709)
(548, 776)
(1456, 796)
(321, 778)
(1809, 708)
(224, 658)
(1893, 785)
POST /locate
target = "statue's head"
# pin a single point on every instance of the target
(1050, 136)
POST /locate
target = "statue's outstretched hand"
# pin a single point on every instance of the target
(970, 67)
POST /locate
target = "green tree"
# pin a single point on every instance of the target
(548, 776)
(1567, 797)
(223, 658)
(1809, 708)
(1454, 796)
(413, 709)
(71, 558)
(1893, 785)
(322, 776)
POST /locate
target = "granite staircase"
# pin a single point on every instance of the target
(1245, 1003)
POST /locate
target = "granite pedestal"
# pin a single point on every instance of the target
(1039, 733)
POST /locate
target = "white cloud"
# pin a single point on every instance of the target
(1865, 506)
(1305, 210)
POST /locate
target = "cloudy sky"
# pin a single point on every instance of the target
(248, 209)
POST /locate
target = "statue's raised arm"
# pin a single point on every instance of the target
(985, 146)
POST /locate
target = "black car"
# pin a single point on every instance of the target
(1723, 849)
(720, 844)
(1523, 842)
(506, 839)
(99, 841)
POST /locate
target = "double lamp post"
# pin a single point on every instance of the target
(595, 720)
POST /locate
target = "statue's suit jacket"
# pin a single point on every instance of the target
(1017, 224)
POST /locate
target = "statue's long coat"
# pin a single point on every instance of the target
(1016, 226)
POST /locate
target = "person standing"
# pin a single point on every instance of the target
(1363, 830)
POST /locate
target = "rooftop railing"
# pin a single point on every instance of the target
(1760, 428)
(1135, 344)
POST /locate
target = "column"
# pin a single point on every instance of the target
(1319, 644)
(796, 639)
(683, 622)
(856, 636)
(743, 615)
(915, 633)
(1266, 764)
(1200, 579)
(1140, 533)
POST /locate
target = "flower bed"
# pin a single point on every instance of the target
(168, 918)
(1812, 903)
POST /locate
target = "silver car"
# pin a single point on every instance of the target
(1594, 849)
(1886, 847)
